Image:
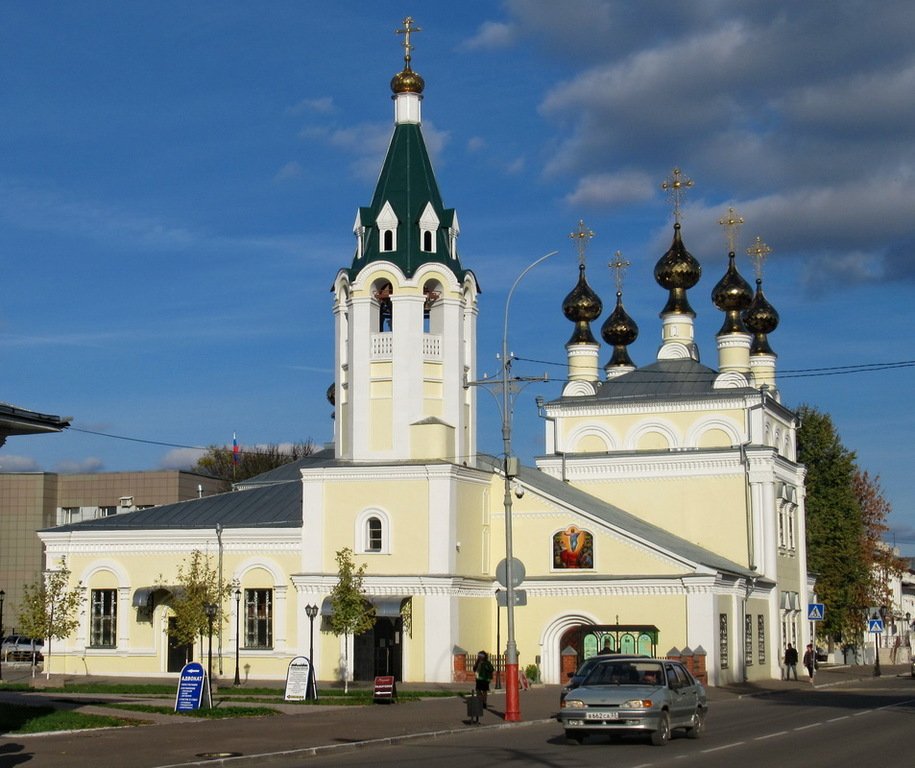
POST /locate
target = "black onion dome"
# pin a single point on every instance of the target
(407, 81)
(582, 306)
(677, 271)
(760, 318)
(732, 295)
(331, 395)
(620, 330)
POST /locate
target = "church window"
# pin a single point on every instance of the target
(387, 240)
(258, 618)
(382, 295)
(573, 548)
(103, 619)
(373, 530)
(761, 637)
(428, 242)
(748, 638)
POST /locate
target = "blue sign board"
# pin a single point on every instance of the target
(875, 625)
(815, 611)
(191, 687)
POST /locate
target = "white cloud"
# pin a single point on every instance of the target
(291, 170)
(180, 458)
(612, 189)
(491, 35)
(90, 464)
(475, 143)
(323, 105)
(11, 463)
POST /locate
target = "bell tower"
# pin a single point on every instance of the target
(405, 310)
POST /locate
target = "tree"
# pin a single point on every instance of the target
(220, 461)
(49, 609)
(884, 563)
(198, 585)
(834, 525)
(352, 612)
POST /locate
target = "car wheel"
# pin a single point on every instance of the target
(697, 728)
(661, 736)
(577, 737)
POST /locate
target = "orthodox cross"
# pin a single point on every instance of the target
(581, 236)
(619, 266)
(675, 186)
(406, 32)
(731, 223)
(758, 252)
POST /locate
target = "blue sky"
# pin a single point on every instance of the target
(178, 184)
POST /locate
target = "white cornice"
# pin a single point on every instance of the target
(361, 473)
(673, 466)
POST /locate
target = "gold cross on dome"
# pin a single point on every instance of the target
(758, 253)
(618, 265)
(581, 236)
(731, 223)
(407, 30)
(676, 186)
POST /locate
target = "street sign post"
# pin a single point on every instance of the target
(815, 611)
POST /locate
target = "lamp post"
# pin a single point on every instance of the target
(221, 596)
(498, 640)
(510, 469)
(237, 681)
(311, 611)
(210, 610)
(2, 597)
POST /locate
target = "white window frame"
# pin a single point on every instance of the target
(361, 533)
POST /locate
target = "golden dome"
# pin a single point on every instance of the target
(582, 306)
(407, 81)
(620, 330)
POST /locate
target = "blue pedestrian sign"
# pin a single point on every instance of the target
(875, 625)
(815, 611)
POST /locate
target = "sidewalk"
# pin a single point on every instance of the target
(302, 731)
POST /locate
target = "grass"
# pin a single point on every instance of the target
(210, 714)
(20, 720)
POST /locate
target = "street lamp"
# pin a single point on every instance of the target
(2, 596)
(498, 640)
(210, 610)
(311, 611)
(237, 681)
(510, 468)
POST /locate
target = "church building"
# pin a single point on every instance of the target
(665, 515)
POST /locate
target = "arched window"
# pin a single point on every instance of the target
(387, 240)
(373, 530)
(427, 241)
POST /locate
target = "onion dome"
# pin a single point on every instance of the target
(407, 81)
(331, 395)
(732, 295)
(760, 318)
(619, 330)
(582, 306)
(677, 271)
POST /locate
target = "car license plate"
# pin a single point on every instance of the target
(602, 715)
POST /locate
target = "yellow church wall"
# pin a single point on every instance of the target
(382, 409)
(473, 529)
(710, 511)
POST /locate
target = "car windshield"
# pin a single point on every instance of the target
(625, 673)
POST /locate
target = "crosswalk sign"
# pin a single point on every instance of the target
(875, 625)
(815, 611)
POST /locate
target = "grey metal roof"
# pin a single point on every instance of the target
(278, 505)
(665, 378)
(625, 521)
(289, 472)
(21, 421)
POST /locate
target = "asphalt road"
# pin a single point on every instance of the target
(846, 727)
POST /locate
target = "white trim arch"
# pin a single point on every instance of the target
(696, 432)
(360, 534)
(105, 565)
(580, 434)
(550, 652)
(640, 431)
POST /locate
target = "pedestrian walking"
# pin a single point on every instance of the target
(484, 671)
(810, 662)
(790, 662)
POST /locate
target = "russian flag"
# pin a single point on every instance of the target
(235, 453)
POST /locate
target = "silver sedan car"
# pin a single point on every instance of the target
(635, 695)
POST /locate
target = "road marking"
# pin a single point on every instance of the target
(726, 746)
(805, 727)
(770, 735)
(862, 712)
(836, 719)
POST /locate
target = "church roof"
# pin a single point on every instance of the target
(684, 377)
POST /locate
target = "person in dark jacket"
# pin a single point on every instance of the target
(790, 662)
(484, 671)
(810, 662)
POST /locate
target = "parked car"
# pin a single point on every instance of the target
(626, 695)
(577, 677)
(20, 648)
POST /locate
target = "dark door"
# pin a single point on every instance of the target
(179, 653)
(379, 651)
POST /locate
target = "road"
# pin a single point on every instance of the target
(845, 727)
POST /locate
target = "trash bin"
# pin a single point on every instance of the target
(474, 708)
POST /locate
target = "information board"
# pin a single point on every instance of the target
(191, 688)
(298, 675)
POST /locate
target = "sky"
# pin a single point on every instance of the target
(179, 182)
